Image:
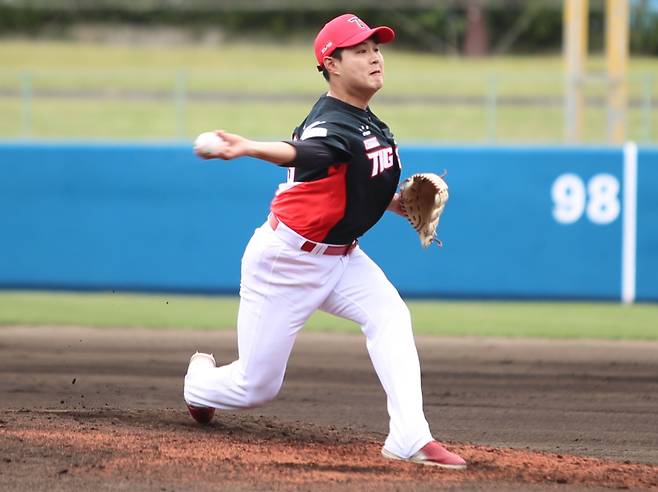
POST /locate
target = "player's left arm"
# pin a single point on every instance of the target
(395, 206)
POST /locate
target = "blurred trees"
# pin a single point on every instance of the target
(449, 26)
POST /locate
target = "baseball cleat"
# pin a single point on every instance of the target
(203, 415)
(432, 454)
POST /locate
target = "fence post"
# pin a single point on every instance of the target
(629, 224)
(492, 104)
(180, 101)
(26, 103)
(646, 106)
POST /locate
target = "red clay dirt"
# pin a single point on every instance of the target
(102, 409)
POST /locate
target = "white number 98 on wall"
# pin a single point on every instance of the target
(599, 200)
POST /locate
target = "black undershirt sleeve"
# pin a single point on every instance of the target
(315, 153)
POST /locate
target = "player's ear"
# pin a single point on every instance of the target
(331, 65)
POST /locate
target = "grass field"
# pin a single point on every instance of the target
(140, 92)
(456, 318)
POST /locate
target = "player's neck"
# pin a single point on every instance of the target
(354, 99)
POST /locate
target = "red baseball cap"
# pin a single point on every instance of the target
(347, 30)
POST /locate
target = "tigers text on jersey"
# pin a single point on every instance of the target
(339, 202)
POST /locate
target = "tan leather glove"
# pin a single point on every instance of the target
(423, 198)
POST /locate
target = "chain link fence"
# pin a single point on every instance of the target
(177, 104)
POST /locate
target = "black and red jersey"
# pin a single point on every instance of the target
(339, 201)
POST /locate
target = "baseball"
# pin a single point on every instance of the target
(208, 144)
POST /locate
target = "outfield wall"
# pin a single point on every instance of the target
(524, 222)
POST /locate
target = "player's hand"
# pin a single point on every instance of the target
(235, 146)
(395, 206)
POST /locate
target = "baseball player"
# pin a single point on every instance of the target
(343, 172)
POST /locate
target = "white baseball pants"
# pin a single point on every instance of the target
(281, 287)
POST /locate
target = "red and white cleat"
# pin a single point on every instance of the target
(432, 454)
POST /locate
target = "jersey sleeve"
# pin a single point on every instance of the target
(330, 132)
(315, 152)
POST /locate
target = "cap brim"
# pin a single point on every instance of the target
(384, 35)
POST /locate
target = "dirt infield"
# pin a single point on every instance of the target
(101, 409)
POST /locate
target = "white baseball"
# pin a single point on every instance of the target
(208, 144)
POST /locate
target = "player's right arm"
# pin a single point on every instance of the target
(296, 153)
(239, 146)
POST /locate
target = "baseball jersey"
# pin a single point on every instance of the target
(338, 202)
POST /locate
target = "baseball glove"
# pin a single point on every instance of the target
(422, 199)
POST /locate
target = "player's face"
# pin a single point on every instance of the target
(362, 67)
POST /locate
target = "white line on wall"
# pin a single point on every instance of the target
(629, 224)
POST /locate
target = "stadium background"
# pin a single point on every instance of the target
(461, 72)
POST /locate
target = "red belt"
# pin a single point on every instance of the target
(309, 246)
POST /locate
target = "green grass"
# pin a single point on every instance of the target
(262, 69)
(414, 122)
(270, 68)
(152, 120)
(506, 319)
